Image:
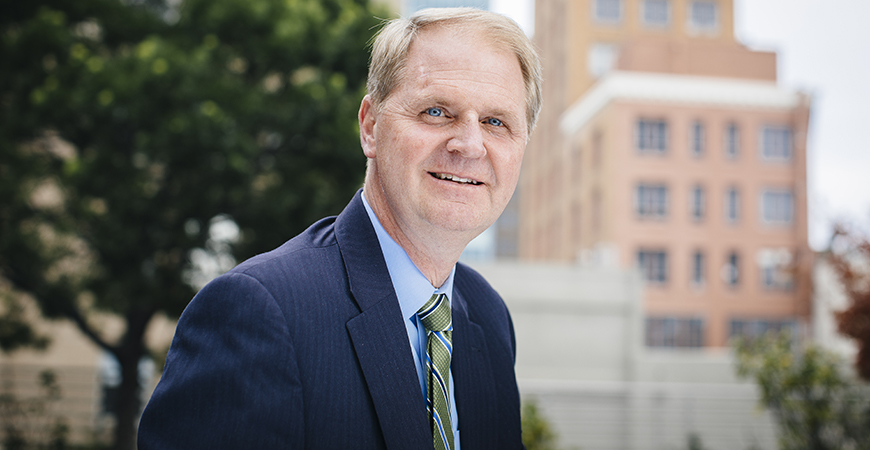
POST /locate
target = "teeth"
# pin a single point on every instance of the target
(444, 176)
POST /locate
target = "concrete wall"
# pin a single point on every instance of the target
(580, 356)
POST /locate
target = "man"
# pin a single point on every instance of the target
(328, 341)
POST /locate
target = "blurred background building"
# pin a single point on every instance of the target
(666, 145)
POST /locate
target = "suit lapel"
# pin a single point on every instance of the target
(378, 334)
(475, 383)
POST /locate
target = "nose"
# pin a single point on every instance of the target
(467, 139)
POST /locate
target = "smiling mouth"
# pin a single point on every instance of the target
(455, 179)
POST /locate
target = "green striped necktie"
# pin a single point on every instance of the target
(435, 316)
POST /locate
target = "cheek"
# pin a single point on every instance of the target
(507, 165)
(401, 136)
(415, 148)
(400, 155)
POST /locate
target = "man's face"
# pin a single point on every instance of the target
(447, 143)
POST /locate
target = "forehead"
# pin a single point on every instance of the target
(453, 45)
(452, 57)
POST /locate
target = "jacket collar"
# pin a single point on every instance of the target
(381, 343)
(378, 333)
(475, 390)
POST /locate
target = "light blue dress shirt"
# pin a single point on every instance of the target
(413, 290)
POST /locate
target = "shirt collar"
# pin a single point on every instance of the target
(412, 288)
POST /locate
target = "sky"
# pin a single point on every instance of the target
(823, 48)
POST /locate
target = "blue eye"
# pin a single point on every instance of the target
(493, 121)
(435, 112)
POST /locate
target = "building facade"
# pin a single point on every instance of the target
(667, 146)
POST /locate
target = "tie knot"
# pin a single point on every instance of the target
(435, 314)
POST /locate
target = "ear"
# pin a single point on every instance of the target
(367, 126)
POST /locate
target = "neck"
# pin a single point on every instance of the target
(434, 251)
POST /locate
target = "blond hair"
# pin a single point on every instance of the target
(390, 50)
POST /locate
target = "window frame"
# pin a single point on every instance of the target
(698, 27)
(697, 139)
(772, 193)
(732, 141)
(674, 332)
(645, 19)
(655, 194)
(732, 205)
(752, 328)
(596, 16)
(787, 140)
(698, 203)
(656, 273)
(732, 273)
(699, 266)
(653, 130)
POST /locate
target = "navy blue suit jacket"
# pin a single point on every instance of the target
(305, 347)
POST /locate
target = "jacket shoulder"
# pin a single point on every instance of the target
(316, 238)
(485, 306)
(471, 283)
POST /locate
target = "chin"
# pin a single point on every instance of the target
(462, 217)
(463, 223)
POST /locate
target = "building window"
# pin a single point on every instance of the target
(776, 143)
(653, 265)
(652, 200)
(732, 141)
(731, 270)
(656, 13)
(602, 58)
(671, 332)
(697, 139)
(703, 15)
(652, 136)
(698, 268)
(755, 328)
(776, 268)
(609, 11)
(777, 206)
(732, 205)
(698, 204)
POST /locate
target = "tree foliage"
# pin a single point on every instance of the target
(128, 126)
(815, 404)
(33, 422)
(694, 442)
(537, 431)
(851, 261)
(16, 331)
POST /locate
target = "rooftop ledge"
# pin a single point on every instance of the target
(676, 89)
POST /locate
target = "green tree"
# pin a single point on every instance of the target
(816, 406)
(694, 442)
(537, 432)
(128, 126)
(16, 331)
(32, 422)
